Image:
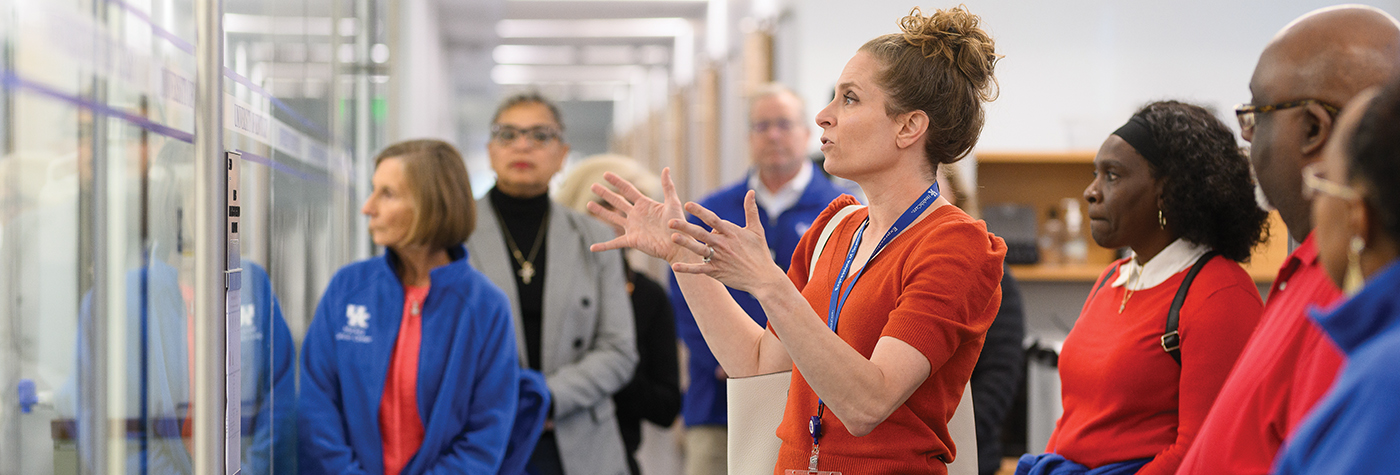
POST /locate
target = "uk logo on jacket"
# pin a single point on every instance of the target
(356, 327)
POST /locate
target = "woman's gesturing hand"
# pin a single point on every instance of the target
(737, 256)
(642, 219)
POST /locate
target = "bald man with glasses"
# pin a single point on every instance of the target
(1311, 67)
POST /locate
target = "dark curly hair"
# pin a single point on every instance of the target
(1375, 157)
(943, 65)
(1207, 193)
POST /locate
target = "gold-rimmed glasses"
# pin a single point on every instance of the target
(1314, 183)
(1248, 113)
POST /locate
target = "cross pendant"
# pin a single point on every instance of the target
(526, 272)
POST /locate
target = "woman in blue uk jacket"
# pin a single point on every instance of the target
(410, 364)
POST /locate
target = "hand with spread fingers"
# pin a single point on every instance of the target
(643, 220)
(736, 256)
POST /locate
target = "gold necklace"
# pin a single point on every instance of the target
(527, 266)
(1128, 288)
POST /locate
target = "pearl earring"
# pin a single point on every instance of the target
(1353, 281)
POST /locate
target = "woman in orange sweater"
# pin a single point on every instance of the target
(1172, 186)
(884, 334)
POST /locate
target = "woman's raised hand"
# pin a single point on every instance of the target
(642, 219)
(737, 256)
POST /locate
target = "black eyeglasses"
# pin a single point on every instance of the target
(537, 135)
(1247, 113)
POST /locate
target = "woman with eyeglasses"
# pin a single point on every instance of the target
(1356, 205)
(409, 365)
(882, 324)
(1161, 328)
(573, 317)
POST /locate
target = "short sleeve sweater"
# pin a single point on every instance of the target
(936, 287)
(1124, 397)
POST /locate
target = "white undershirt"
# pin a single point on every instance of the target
(775, 203)
(1176, 257)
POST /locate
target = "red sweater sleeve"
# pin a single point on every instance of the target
(1213, 334)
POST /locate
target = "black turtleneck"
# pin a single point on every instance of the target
(523, 218)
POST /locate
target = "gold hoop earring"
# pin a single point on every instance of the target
(1161, 219)
(1353, 281)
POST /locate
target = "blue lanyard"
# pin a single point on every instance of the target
(838, 297)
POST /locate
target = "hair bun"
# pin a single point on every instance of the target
(954, 35)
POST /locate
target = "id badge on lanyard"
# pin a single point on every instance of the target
(838, 300)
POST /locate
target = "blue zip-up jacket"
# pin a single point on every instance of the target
(1055, 464)
(1353, 428)
(704, 401)
(468, 371)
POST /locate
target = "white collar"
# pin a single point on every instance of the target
(1176, 257)
(775, 203)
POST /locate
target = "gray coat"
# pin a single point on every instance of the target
(588, 349)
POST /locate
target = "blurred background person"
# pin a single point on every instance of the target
(1312, 66)
(889, 364)
(1000, 366)
(654, 394)
(790, 195)
(158, 326)
(1173, 187)
(1357, 208)
(409, 365)
(573, 318)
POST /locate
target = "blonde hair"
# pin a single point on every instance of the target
(941, 64)
(576, 191)
(444, 212)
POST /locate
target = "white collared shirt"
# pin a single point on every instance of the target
(1176, 257)
(775, 203)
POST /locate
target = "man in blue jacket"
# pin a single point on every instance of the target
(790, 193)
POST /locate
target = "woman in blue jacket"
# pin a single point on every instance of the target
(409, 365)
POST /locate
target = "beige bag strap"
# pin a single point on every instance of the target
(826, 234)
(963, 429)
(756, 405)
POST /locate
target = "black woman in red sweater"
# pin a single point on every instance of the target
(1173, 187)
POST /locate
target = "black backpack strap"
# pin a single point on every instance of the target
(1105, 280)
(1171, 340)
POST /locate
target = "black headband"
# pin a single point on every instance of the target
(1139, 135)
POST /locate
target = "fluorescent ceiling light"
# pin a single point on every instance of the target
(520, 74)
(613, 28)
(526, 54)
(286, 25)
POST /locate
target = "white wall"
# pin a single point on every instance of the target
(421, 85)
(1074, 69)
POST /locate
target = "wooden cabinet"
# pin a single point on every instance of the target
(1042, 179)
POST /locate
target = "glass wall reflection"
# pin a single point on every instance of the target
(96, 218)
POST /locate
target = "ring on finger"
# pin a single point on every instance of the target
(710, 252)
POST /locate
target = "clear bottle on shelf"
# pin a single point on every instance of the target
(1076, 248)
(1051, 239)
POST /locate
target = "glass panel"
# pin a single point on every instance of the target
(96, 219)
(89, 299)
(297, 188)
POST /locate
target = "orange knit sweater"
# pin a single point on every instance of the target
(936, 287)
